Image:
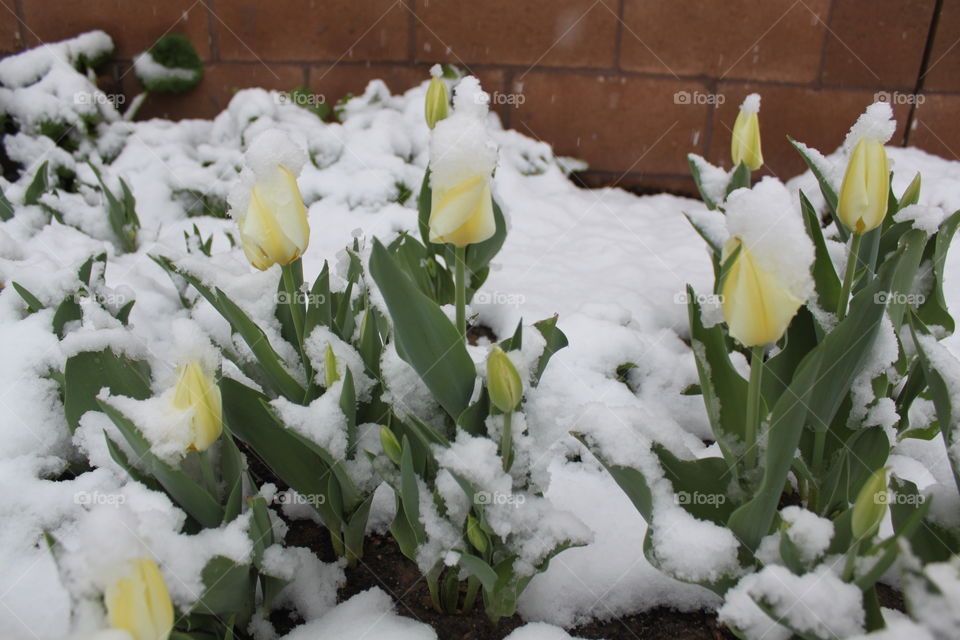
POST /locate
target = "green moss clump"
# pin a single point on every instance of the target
(174, 52)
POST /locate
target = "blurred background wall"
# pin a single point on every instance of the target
(630, 86)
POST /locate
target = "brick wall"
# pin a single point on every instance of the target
(630, 86)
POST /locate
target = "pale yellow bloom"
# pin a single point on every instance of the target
(274, 229)
(199, 392)
(863, 197)
(503, 381)
(463, 213)
(437, 105)
(139, 603)
(745, 142)
(757, 306)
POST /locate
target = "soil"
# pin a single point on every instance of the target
(385, 567)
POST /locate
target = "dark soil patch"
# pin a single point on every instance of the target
(385, 567)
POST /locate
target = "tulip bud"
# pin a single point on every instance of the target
(462, 160)
(757, 307)
(199, 392)
(274, 229)
(437, 105)
(476, 535)
(330, 374)
(862, 204)
(503, 381)
(871, 506)
(139, 602)
(745, 142)
(390, 446)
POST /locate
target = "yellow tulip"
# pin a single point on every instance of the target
(198, 391)
(139, 602)
(756, 305)
(863, 195)
(462, 214)
(437, 105)
(274, 229)
(871, 506)
(503, 381)
(745, 142)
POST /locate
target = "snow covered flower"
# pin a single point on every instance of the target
(197, 391)
(770, 277)
(503, 381)
(745, 143)
(139, 603)
(862, 203)
(437, 105)
(462, 159)
(271, 214)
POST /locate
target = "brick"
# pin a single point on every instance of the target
(936, 128)
(534, 33)
(10, 31)
(134, 26)
(943, 67)
(220, 82)
(876, 43)
(336, 81)
(818, 118)
(306, 30)
(615, 123)
(639, 183)
(771, 40)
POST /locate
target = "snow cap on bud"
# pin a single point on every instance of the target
(197, 390)
(269, 208)
(139, 603)
(503, 381)
(390, 445)
(745, 142)
(862, 204)
(871, 506)
(437, 105)
(462, 159)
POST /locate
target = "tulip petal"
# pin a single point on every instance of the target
(745, 141)
(463, 215)
(756, 306)
(862, 204)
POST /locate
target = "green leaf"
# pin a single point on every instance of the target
(348, 404)
(121, 459)
(425, 337)
(698, 485)
(33, 304)
(88, 372)
(824, 275)
(697, 180)
(911, 195)
(479, 255)
(320, 304)
(740, 178)
(6, 208)
(67, 311)
(228, 588)
(864, 452)
(186, 493)
(931, 542)
(912, 242)
(38, 186)
(934, 311)
(630, 480)
(829, 195)
(410, 492)
(555, 341)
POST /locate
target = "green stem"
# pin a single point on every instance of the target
(852, 260)
(470, 600)
(819, 444)
(850, 565)
(297, 314)
(506, 441)
(753, 405)
(461, 291)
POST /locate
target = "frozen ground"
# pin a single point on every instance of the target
(612, 264)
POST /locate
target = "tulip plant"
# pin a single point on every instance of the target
(807, 426)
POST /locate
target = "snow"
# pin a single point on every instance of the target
(149, 70)
(876, 123)
(751, 104)
(612, 264)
